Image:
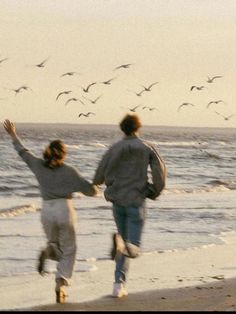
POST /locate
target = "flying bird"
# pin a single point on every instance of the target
(86, 114)
(108, 82)
(225, 117)
(184, 104)
(41, 64)
(25, 87)
(134, 108)
(211, 79)
(66, 92)
(69, 74)
(149, 108)
(214, 102)
(124, 66)
(86, 89)
(197, 87)
(74, 99)
(148, 89)
(93, 101)
(137, 94)
(20, 89)
(16, 90)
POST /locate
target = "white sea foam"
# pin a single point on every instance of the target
(19, 210)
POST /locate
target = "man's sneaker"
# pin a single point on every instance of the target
(118, 246)
(119, 290)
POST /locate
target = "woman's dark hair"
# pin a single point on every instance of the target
(54, 154)
(130, 124)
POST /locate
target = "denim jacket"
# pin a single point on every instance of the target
(132, 170)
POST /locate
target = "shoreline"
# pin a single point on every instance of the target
(170, 280)
(214, 296)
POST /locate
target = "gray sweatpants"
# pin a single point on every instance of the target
(58, 218)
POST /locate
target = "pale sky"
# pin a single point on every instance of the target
(177, 43)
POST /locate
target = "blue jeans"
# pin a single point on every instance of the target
(129, 221)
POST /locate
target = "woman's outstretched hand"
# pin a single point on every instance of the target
(10, 128)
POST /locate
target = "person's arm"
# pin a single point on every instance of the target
(10, 128)
(80, 184)
(99, 176)
(24, 153)
(158, 172)
(87, 188)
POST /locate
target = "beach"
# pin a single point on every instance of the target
(71, 71)
(191, 279)
(188, 246)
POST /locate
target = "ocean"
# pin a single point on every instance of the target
(196, 208)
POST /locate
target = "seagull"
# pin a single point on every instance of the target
(214, 102)
(17, 90)
(86, 89)
(86, 114)
(211, 79)
(185, 104)
(24, 87)
(20, 89)
(69, 74)
(2, 60)
(74, 99)
(66, 92)
(137, 94)
(134, 108)
(148, 89)
(124, 66)
(93, 101)
(197, 87)
(225, 117)
(108, 82)
(149, 108)
(42, 64)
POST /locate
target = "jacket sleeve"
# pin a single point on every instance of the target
(30, 159)
(99, 176)
(84, 186)
(158, 173)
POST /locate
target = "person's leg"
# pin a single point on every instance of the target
(130, 222)
(67, 241)
(122, 262)
(65, 265)
(52, 250)
(58, 219)
(135, 222)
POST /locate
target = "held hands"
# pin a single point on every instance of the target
(97, 189)
(10, 128)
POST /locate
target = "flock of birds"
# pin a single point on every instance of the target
(199, 88)
(144, 89)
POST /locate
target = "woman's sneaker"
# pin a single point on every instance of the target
(119, 290)
(60, 292)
